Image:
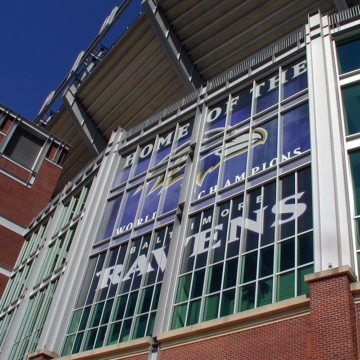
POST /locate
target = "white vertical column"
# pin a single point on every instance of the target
(332, 234)
(69, 285)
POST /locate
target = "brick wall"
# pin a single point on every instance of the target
(10, 245)
(3, 282)
(285, 340)
(329, 330)
(20, 203)
(332, 318)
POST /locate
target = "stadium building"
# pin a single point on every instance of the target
(209, 204)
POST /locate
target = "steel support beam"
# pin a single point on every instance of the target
(172, 46)
(87, 129)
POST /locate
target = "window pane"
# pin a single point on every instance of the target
(215, 119)
(100, 337)
(253, 218)
(107, 311)
(151, 201)
(295, 77)
(178, 317)
(183, 288)
(357, 227)
(151, 323)
(131, 205)
(230, 273)
(264, 146)
(227, 303)
(23, 147)
(163, 147)
(296, 133)
(114, 333)
(198, 282)
(249, 266)
(109, 218)
(184, 133)
(351, 99)
(207, 175)
(266, 261)
(286, 286)
(90, 339)
(68, 345)
(78, 341)
(125, 331)
(235, 158)
(214, 279)
(355, 170)
(124, 169)
(265, 292)
(140, 326)
(194, 311)
(172, 188)
(306, 250)
(220, 232)
(211, 307)
(247, 297)
(302, 285)
(75, 321)
(240, 107)
(120, 307)
(287, 228)
(349, 56)
(96, 316)
(305, 220)
(269, 199)
(144, 158)
(287, 254)
(84, 318)
(267, 93)
(145, 299)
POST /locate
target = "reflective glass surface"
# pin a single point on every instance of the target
(349, 56)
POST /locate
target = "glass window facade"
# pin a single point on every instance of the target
(120, 292)
(246, 252)
(249, 237)
(349, 64)
(355, 169)
(16, 286)
(119, 298)
(148, 183)
(54, 237)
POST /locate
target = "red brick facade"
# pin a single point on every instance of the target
(3, 281)
(10, 245)
(21, 203)
(285, 340)
(329, 330)
(332, 318)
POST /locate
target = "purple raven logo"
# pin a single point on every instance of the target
(236, 146)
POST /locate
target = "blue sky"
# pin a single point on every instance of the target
(40, 40)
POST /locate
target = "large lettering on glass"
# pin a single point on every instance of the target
(286, 210)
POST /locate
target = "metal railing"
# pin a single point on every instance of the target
(344, 16)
